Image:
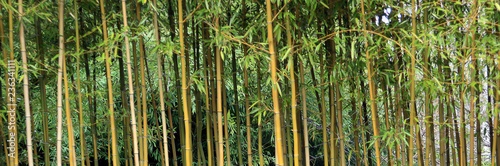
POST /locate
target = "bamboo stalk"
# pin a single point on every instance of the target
(247, 96)
(110, 89)
(69, 123)
(259, 123)
(206, 62)
(130, 85)
(323, 115)
(276, 109)
(12, 104)
(387, 124)
(94, 119)
(372, 91)
(160, 83)
(429, 125)
(144, 107)
(126, 117)
(224, 109)
(85, 46)
(412, 86)
(156, 122)
(294, 100)
(4, 53)
(218, 62)
(355, 122)
(187, 112)
(59, 83)
(362, 120)
(177, 85)
(27, 108)
(473, 89)
(78, 87)
(43, 98)
(304, 114)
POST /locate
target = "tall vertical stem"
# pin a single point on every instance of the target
(187, 112)
(276, 108)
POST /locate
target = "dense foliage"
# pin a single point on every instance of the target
(294, 82)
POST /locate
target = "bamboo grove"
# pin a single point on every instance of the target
(250, 82)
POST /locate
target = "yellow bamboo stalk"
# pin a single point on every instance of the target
(12, 106)
(473, 89)
(373, 103)
(276, 108)
(69, 123)
(187, 112)
(294, 94)
(130, 85)
(412, 86)
(25, 84)
(160, 83)
(59, 82)
(4, 53)
(144, 158)
(83, 146)
(220, 161)
(110, 88)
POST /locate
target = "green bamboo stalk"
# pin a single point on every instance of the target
(160, 83)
